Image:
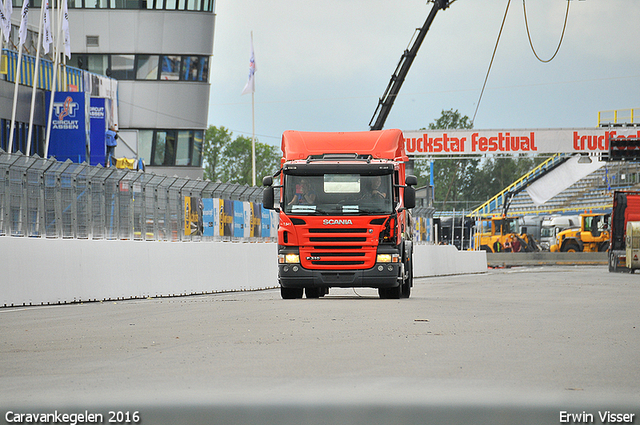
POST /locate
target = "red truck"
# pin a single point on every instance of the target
(626, 209)
(344, 219)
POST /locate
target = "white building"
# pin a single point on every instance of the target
(160, 53)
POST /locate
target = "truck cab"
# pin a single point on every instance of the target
(624, 243)
(551, 226)
(344, 219)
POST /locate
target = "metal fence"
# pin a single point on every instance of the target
(46, 198)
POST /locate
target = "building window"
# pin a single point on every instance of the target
(182, 149)
(145, 144)
(147, 67)
(122, 67)
(170, 68)
(169, 148)
(197, 148)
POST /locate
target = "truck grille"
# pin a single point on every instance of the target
(337, 230)
(331, 247)
(338, 239)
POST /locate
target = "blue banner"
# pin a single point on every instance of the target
(69, 137)
(266, 223)
(98, 120)
(238, 219)
(208, 218)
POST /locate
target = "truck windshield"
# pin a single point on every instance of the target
(338, 194)
(546, 232)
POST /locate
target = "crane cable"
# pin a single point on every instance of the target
(526, 23)
(530, 43)
(491, 63)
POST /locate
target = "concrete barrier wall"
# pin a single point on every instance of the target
(511, 259)
(442, 260)
(51, 271)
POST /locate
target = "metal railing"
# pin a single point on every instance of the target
(72, 77)
(618, 117)
(46, 198)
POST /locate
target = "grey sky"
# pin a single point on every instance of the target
(321, 66)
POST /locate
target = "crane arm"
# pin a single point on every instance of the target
(386, 101)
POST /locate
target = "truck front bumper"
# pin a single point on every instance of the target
(382, 275)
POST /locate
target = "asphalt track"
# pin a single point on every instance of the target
(518, 345)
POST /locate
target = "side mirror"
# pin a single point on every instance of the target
(267, 197)
(409, 197)
(267, 181)
(411, 180)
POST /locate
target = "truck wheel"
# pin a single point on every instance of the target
(408, 280)
(612, 263)
(313, 292)
(571, 247)
(290, 293)
(390, 293)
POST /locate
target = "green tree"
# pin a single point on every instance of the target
(236, 161)
(452, 177)
(228, 160)
(215, 140)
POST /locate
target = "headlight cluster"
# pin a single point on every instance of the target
(387, 258)
(290, 258)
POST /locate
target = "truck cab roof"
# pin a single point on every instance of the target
(382, 144)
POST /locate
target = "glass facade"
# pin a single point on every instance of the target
(145, 67)
(191, 5)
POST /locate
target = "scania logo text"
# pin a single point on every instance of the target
(328, 222)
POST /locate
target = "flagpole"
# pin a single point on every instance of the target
(251, 87)
(56, 51)
(2, 41)
(15, 99)
(253, 140)
(35, 81)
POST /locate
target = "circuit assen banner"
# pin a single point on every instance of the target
(541, 141)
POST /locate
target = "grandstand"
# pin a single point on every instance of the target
(593, 193)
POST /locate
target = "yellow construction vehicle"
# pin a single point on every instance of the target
(502, 234)
(592, 236)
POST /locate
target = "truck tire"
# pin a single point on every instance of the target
(408, 279)
(313, 292)
(390, 293)
(290, 293)
(612, 263)
(571, 247)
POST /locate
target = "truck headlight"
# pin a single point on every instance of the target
(387, 258)
(290, 258)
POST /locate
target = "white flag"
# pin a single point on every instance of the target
(23, 22)
(47, 39)
(5, 21)
(65, 29)
(250, 87)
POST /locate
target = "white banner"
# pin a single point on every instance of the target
(543, 141)
(560, 178)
